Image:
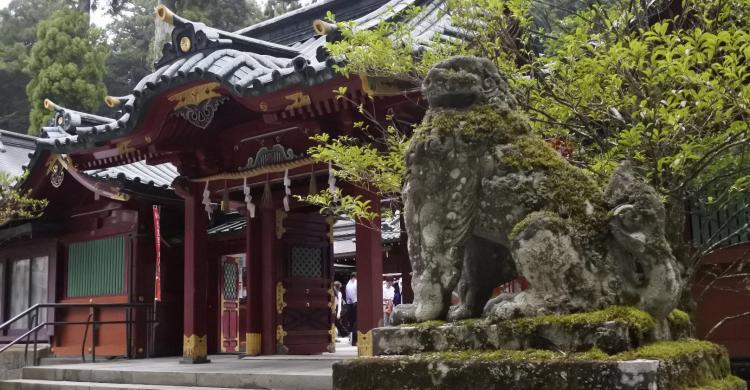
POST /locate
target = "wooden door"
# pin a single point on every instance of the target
(307, 276)
(229, 289)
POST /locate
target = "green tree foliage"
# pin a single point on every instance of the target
(16, 204)
(613, 81)
(17, 35)
(129, 61)
(229, 15)
(67, 65)
(278, 7)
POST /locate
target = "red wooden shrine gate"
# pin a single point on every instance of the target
(304, 292)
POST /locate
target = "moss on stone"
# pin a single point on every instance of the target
(668, 350)
(635, 319)
(679, 318)
(425, 324)
(728, 383)
(536, 216)
(483, 124)
(660, 350)
(515, 355)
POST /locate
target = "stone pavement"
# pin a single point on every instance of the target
(225, 371)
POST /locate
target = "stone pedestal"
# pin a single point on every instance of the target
(617, 348)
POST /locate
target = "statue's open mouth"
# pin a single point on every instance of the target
(454, 99)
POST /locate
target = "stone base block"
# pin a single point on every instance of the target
(612, 330)
(668, 365)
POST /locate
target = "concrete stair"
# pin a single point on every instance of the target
(13, 360)
(35, 384)
(224, 372)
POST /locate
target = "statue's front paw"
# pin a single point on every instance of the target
(458, 312)
(405, 313)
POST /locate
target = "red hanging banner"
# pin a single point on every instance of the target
(157, 245)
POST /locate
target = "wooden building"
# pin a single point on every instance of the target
(232, 112)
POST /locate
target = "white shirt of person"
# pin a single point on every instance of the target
(351, 291)
(388, 293)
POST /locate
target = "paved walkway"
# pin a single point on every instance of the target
(225, 371)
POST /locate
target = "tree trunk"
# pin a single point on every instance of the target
(84, 6)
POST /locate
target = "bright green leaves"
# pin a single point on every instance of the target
(67, 66)
(16, 204)
(374, 164)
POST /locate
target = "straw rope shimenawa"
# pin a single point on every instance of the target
(264, 170)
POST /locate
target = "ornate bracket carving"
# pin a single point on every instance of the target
(275, 155)
(280, 304)
(198, 105)
(202, 114)
(298, 100)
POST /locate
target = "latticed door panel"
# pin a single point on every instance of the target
(230, 274)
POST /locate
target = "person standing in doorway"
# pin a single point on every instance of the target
(388, 293)
(351, 305)
(338, 297)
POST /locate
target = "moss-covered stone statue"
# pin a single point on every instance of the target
(487, 200)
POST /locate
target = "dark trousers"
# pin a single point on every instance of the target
(351, 312)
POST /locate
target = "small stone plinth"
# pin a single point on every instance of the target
(613, 330)
(666, 365)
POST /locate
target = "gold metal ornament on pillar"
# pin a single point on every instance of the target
(364, 343)
(194, 347)
(252, 344)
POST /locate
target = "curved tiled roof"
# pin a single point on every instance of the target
(14, 151)
(161, 175)
(244, 65)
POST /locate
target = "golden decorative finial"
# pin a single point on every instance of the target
(322, 27)
(112, 101)
(164, 14)
(48, 104)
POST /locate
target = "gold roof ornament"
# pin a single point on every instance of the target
(48, 104)
(112, 101)
(164, 14)
(322, 27)
(185, 44)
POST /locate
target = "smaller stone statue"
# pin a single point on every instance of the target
(487, 200)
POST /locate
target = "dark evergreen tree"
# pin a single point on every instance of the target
(18, 24)
(278, 7)
(67, 66)
(129, 61)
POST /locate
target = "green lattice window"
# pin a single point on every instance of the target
(96, 267)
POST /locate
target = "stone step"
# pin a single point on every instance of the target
(233, 374)
(34, 384)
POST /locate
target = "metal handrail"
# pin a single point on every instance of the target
(90, 321)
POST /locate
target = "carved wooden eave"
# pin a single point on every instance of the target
(255, 172)
(57, 165)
